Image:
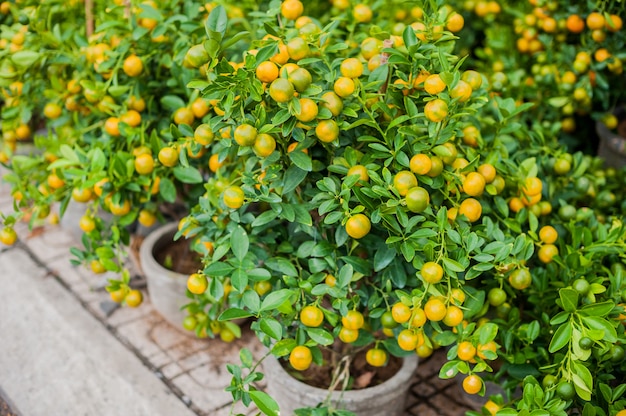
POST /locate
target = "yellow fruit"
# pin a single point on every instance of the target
(233, 197)
(358, 226)
(133, 66)
(300, 358)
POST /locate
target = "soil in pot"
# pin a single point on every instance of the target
(362, 374)
(178, 257)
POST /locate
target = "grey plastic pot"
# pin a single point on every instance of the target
(612, 146)
(386, 399)
(167, 289)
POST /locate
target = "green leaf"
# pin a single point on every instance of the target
(302, 215)
(266, 53)
(449, 369)
(188, 174)
(601, 309)
(167, 190)
(259, 274)
(198, 84)
(239, 279)
(333, 217)
(618, 392)
(508, 412)
(275, 299)
(251, 301)
(379, 74)
(264, 218)
(233, 313)
(271, 327)
(606, 392)
(264, 402)
(239, 243)
(487, 333)
(172, 102)
(282, 265)
(216, 288)
(561, 337)
(293, 177)
(235, 38)
(217, 21)
(410, 106)
(583, 381)
(409, 36)
(25, 58)
(345, 276)
(105, 253)
(246, 358)
(558, 101)
(569, 299)
(117, 90)
(147, 11)
(305, 249)
(283, 347)
(98, 160)
(321, 336)
(383, 257)
(281, 117)
(559, 318)
(68, 153)
(218, 269)
(301, 160)
(397, 121)
(452, 265)
(601, 324)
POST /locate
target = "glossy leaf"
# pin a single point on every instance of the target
(265, 403)
(233, 313)
(561, 337)
(239, 243)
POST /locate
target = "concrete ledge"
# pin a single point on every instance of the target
(57, 359)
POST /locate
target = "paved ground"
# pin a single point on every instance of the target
(66, 350)
(6, 407)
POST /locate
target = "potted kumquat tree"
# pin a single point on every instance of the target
(375, 200)
(363, 181)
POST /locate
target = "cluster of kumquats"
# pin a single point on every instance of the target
(569, 57)
(353, 183)
(101, 106)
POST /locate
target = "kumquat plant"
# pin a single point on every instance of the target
(364, 180)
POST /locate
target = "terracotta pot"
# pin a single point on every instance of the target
(167, 289)
(386, 399)
(612, 146)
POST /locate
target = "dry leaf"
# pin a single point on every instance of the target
(364, 380)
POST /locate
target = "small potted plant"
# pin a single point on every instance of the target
(566, 58)
(108, 147)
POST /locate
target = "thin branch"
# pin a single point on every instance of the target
(89, 17)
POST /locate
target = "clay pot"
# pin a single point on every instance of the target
(386, 399)
(167, 289)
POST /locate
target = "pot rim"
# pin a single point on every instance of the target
(155, 240)
(409, 365)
